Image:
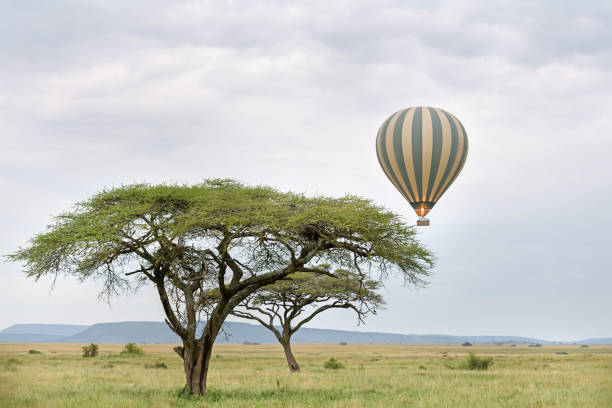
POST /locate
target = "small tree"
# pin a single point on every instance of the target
(186, 240)
(90, 351)
(333, 364)
(132, 349)
(292, 302)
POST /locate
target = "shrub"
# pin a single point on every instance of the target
(34, 352)
(132, 350)
(584, 346)
(467, 343)
(343, 343)
(476, 363)
(159, 364)
(535, 345)
(333, 364)
(90, 351)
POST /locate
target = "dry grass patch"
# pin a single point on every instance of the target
(256, 375)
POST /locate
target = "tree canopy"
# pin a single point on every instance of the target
(186, 239)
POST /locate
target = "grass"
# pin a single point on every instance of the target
(257, 376)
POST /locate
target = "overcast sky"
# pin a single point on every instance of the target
(96, 94)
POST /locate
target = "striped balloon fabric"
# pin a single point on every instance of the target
(422, 150)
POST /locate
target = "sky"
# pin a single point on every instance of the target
(97, 94)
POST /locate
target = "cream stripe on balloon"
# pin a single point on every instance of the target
(427, 141)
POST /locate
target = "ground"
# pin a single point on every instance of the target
(257, 376)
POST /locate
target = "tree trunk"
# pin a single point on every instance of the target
(190, 354)
(196, 359)
(291, 361)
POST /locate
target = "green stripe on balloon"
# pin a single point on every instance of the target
(462, 156)
(436, 153)
(465, 148)
(417, 151)
(453, 154)
(399, 152)
(383, 149)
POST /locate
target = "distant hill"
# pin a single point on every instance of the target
(123, 332)
(235, 332)
(52, 329)
(39, 333)
(605, 340)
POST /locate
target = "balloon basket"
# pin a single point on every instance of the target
(422, 222)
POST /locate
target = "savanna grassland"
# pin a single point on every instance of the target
(257, 376)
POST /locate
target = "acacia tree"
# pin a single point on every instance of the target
(292, 302)
(185, 240)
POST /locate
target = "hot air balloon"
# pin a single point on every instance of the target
(422, 150)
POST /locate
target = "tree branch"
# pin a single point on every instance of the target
(142, 270)
(163, 296)
(320, 310)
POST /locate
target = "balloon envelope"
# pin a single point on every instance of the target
(422, 150)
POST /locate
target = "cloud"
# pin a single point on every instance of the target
(96, 94)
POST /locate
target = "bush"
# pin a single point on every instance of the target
(90, 351)
(333, 364)
(535, 345)
(467, 343)
(132, 350)
(34, 352)
(476, 363)
(584, 346)
(343, 343)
